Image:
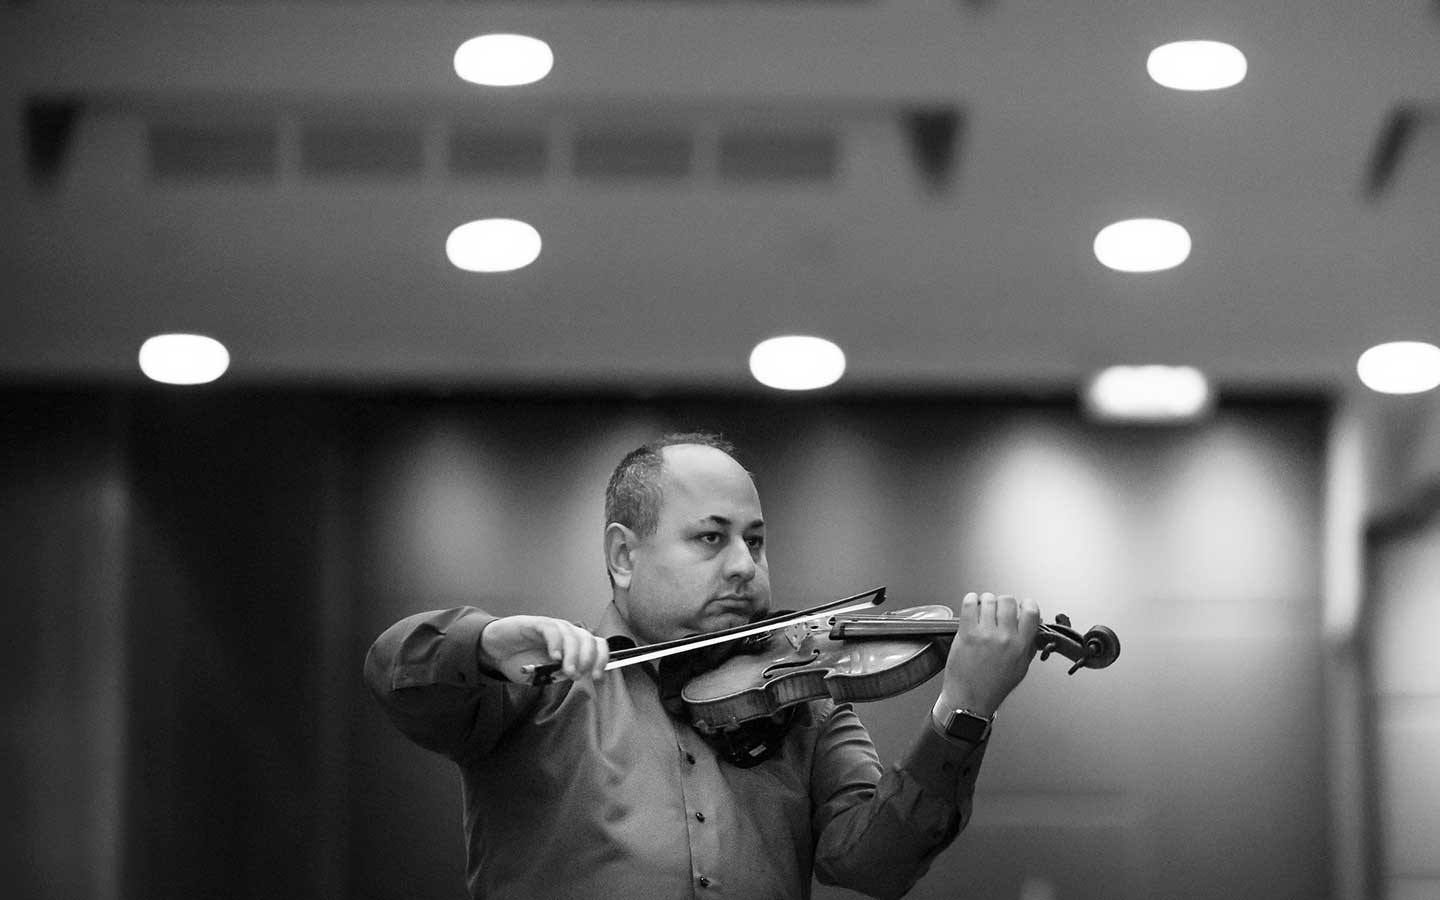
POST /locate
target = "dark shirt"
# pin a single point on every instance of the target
(592, 790)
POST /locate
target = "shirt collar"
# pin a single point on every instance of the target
(613, 625)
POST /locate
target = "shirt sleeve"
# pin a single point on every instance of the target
(879, 830)
(425, 672)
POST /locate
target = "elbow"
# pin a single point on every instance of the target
(376, 671)
(386, 659)
(385, 667)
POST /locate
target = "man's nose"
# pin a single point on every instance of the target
(739, 562)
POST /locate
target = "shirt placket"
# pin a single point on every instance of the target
(700, 789)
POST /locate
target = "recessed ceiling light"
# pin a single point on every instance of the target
(1196, 65)
(1142, 245)
(183, 358)
(797, 362)
(1400, 367)
(493, 245)
(503, 60)
(1148, 393)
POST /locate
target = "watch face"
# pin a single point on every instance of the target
(967, 726)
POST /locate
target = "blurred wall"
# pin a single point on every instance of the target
(1403, 700)
(63, 523)
(1383, 488)
(198, 576)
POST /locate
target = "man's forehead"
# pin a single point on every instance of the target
(690, 462)
(708, 482)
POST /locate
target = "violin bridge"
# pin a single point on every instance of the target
(797, 633)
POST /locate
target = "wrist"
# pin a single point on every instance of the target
(484, 658)
(960, 722)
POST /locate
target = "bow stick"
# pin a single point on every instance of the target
(544, 673)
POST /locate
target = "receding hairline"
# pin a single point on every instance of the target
(635, 492)
(666, 451)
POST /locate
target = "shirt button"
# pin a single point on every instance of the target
(704, 882)
(699, 817)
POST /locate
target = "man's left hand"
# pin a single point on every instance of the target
(990, 654)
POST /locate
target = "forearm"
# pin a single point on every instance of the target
(885, 841)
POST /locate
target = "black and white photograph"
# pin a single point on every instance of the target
(720, 449)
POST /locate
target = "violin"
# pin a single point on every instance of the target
(855, 658)
(740, 687)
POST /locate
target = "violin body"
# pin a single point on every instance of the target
(854, 658)
(805, 662)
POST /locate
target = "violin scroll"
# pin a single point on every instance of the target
(1096, 649)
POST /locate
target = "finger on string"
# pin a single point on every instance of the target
(1006, 615)
(970, 607)
(987, 608)
(1029, 622)
(1029, 616)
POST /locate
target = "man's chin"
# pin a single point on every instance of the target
(727, 618)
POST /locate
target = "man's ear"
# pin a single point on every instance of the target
(620, 543)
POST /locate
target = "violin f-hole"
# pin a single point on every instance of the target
(783, 666)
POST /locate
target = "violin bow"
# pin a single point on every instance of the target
(544, 673)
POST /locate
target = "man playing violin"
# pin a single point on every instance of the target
(588, 788)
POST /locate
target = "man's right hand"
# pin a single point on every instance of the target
(509, 644)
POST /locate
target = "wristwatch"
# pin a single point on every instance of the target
(968, 726)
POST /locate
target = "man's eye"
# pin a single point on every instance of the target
(755, 543)
(710, 537)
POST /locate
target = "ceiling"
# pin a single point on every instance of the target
(917, 180)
